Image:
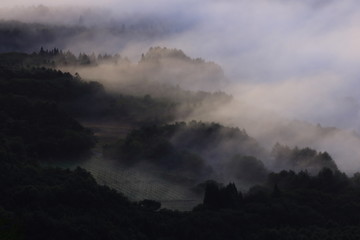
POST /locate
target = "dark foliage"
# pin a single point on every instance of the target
(29, 74)
(302, 159)
(50, 203)
(56, 204)
(183, 147)
(153, 144)
(56, 58)
(247, 169)
(39, 129)
(81, 99)
(218, 197)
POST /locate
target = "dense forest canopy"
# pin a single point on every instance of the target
(247, 191)
(163, 101)
(256, 137)
(197, 150)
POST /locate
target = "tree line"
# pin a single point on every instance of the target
(38, 107)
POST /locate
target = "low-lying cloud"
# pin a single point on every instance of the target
(287, 60)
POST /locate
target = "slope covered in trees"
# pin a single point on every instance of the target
(40, 203)
(57, 58)
(39, 129)
(300, 159)
(33, 122)
(175, 67)
(136, 100)
(186, 148)
(84, 100)
(37, 109)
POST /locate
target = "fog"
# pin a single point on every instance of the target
(287, 61)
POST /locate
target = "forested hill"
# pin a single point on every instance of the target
(56, 58)
(158, 71)
(35, 124)
(40, 203)
(38, 111)
(175, 67)
(196, 150)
